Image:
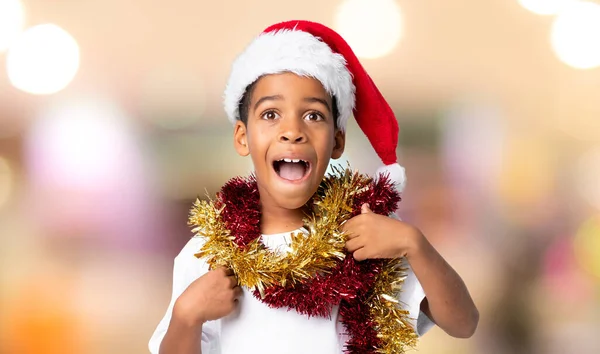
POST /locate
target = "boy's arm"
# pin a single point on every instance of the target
(209, 298)
(186, 269)
(448, 302)
(187, 325)
(182, 338)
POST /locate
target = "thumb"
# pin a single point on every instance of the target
(365, 209)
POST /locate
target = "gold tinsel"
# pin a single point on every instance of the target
(392, 325)
(256, 267)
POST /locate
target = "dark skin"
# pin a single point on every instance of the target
(447, 301)
(291, 117)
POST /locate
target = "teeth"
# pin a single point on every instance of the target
(291, 160)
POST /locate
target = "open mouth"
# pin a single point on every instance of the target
(291, 169)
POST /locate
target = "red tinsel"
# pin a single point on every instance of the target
(349, 284)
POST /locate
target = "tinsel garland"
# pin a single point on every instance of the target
(318, 273)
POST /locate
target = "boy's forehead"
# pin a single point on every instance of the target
(289, 83)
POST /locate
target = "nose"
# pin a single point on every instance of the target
(292, 131)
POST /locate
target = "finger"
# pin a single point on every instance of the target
(365, 208)
(347, 224)
(360, 254)
(224, 270)
(349, 227)
(354, 244)
(233, 282)
(237, 292)
(354, 232)
(351, 235)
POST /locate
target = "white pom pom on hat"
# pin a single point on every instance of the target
(314, 50)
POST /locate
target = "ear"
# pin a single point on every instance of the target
(340, 142)
(240, 139)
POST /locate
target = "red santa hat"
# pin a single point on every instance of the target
(314, 50)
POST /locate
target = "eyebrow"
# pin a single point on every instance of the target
(267, 98)
(319, 100)
(280, 98)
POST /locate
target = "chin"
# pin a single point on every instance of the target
(293, 202)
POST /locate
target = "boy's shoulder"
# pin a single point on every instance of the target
(189, 250)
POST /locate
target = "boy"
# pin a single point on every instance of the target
(289, 96)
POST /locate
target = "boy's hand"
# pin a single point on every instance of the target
(210, 297)
(372, 235)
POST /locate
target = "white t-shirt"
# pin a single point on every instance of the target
(253, 323)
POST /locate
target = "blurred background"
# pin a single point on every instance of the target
(111, 124)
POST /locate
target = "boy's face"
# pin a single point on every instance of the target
(290, 136)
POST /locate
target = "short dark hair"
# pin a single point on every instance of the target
(244, 106)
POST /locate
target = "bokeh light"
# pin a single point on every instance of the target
(43, 324)
(12, 19)
(371, 27)
(470, 124)
(84, 153)
(545, 7)
(172, 98)
(563, 276)
(6, 181)
(587, 245)
(575, 35)
(43, 60)
(526, 176)
(81, 144)
(96, 182)
(588, 175)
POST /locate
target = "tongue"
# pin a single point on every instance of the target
(291, 171)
